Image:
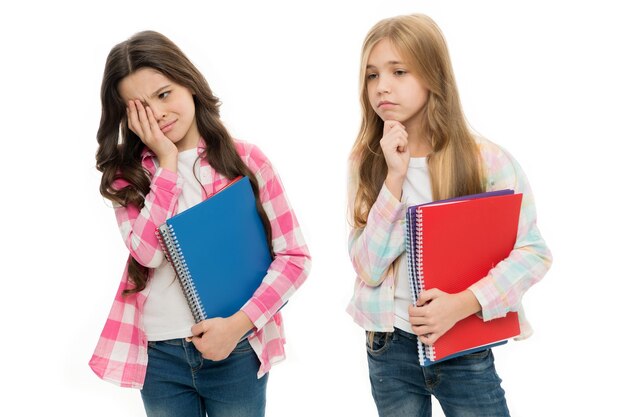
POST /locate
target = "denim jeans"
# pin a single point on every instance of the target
(179, 382)
(464, 386)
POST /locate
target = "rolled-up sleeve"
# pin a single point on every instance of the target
(502, 289)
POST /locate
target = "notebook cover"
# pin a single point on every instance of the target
(223, 242)
(461, 242)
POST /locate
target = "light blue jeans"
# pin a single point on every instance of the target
(179, 382)
(467, 386)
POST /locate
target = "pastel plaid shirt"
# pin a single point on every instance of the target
(121, 355)
(375, 248)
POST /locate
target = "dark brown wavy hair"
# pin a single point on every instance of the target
(119, 150)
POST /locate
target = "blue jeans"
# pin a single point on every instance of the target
(179, 382)
(464, 386)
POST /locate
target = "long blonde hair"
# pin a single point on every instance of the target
(454, 165)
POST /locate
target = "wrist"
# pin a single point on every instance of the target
(394, 183)
(169, 162)
(469, 304)
(241, 323)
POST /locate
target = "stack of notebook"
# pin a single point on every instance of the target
(452, 244)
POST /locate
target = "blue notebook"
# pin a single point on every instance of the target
(219, 251)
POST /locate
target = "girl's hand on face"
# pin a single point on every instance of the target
(142, 122)
(395, 147)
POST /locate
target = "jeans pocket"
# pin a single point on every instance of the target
(378, 342)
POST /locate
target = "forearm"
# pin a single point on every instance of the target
(138, 227)
(373, 248)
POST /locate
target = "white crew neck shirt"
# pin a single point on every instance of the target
(166, 312)
(415, 190)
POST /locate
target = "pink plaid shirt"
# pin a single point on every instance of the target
(121, 355)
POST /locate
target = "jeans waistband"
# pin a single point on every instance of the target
(405, 334)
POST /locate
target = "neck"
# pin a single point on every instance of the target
(419, 144)
(190, 140)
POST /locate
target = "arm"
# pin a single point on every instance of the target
(292, 261)
(216, 338)
(138, 226)
(373, 248)
(502, 289)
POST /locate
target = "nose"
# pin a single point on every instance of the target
(383, 86)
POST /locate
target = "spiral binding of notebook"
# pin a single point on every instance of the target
(173, 253)
(413, 246)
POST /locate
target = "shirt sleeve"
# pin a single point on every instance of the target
(502, 289)
(292, 261)
(138, 227)
(373, 248)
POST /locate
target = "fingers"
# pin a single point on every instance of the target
(142, 122)
(429, 339)
(152, 122)
(393, 129)
(199, 328)
(390, 124)
(395, 140)
(419, 316)
(427, 296)
(133, 119)
(425, 329)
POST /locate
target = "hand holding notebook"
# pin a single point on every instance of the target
(451, 245)
(219, 251)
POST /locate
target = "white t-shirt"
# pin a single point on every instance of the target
(415, 190)
(166, 312)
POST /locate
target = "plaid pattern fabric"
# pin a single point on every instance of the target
(121, 354)
(374, 249)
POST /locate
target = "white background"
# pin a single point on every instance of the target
(544, 79)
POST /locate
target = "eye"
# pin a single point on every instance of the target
(400, 72)
(164, 94)
(371, 76)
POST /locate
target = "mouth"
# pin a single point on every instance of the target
(385, 104)
(167, 127)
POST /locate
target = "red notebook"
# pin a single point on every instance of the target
(451, 245)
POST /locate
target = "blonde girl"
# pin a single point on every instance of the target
(414, 146)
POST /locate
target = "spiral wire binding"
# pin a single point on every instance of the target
(429, 350)
(414, 266)
(175, 257)
(161, 240)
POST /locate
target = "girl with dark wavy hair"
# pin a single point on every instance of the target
(162, 149)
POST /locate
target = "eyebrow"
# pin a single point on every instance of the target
(160, 90)
(155, 94)
(388, 63)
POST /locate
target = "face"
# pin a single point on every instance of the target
(394, 92)
(171, 103)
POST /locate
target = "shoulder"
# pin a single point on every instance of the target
(500, 167)
(148, 163)
(492, 153)
(251, 155)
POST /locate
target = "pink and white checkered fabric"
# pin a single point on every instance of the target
(121, 355)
